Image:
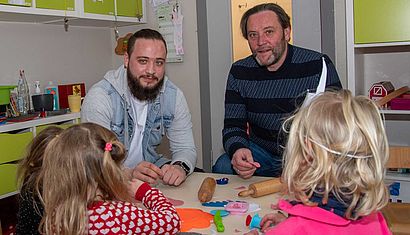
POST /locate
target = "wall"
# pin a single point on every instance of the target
(48, 53)
(85, 54)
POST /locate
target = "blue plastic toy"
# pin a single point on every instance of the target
(253, 221)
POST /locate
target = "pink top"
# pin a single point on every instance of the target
(313, 220)
(116, 217)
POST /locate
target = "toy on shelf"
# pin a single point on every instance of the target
(207, 189)
(262, 188)
(253, 221)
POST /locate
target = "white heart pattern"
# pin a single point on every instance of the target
(110, 223)
(132, 225)
(104, 231)
(124, 218)
(94, 217)
(99, 225)
(105, 216)
(100, 210)
(115, 230)
(93, 232)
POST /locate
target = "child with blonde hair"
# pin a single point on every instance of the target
(30, 208)
(334, 169)
(85, 191)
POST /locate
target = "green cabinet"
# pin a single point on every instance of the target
(378, 21)
(68, 5)
(25, 3)
(103, 7)
(13, 148)
(129, 8)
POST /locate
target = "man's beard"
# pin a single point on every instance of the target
(277, 53)
(140, 92)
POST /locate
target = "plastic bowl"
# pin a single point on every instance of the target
(5, 94)
(43, 102)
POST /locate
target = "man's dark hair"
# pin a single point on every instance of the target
(145, 34)
(283, 17)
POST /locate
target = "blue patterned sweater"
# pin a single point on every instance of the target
(263, 99)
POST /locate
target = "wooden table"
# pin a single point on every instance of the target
(234, 224)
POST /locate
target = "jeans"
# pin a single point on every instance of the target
(271, 165)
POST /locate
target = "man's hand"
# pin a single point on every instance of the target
(147, 172)
(243, 164)
(173, 174)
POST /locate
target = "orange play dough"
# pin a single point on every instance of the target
(194, 218)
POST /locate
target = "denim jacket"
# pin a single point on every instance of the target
(108, 103)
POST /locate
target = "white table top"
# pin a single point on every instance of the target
(234, 224)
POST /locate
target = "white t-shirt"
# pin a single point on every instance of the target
(140, 109)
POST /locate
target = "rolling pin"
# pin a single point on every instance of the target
(262, 188)
(207, 189)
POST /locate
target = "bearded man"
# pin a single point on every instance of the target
(141, 105)
(265, 88)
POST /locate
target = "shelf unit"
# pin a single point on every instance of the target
(20, 134)
(380, 52)
(76, 17)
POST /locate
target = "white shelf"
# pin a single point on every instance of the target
(38, 122)
(398, 112)
(384, 44)
(8, 194)
(397, 176)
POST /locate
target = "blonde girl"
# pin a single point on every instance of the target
(30, 210)
(86, 192)
(334, 169)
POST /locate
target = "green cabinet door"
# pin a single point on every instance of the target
(129, 8)
(56, 4)
(377, 21)
(103, 7)
(13, 146)
(24, 3)
(8, 178)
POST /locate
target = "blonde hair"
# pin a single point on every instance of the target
(76, 170)
(337, 145)
(29, 167)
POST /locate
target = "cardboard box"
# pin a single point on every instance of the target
(70, 89)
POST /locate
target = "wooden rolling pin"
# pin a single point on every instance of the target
(207, 189)
(262, 188)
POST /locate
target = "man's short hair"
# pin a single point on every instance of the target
(145, 34)
(283, 17)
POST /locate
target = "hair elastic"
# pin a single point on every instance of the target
(108, 147)
(339, 153)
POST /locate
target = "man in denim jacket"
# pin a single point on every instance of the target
(140, 105)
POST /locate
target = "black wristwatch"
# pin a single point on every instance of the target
(183, 165)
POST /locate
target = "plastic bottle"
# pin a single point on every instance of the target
(37, 87)
(23, 98)
(52, 89)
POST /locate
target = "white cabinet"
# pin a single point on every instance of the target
(78, 13)
(368, 59)
(379, 50)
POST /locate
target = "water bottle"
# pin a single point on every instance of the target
(23, 98)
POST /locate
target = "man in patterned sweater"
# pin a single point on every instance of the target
(265, 88)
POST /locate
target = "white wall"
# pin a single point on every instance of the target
(48, 53)
(85, 54)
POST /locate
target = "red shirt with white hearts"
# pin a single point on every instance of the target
(117, 217)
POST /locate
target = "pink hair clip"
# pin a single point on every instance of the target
(108, 147)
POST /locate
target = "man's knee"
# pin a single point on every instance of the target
(223, 165)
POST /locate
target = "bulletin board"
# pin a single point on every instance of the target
(169, 18)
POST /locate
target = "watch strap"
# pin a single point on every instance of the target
(183, 165)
